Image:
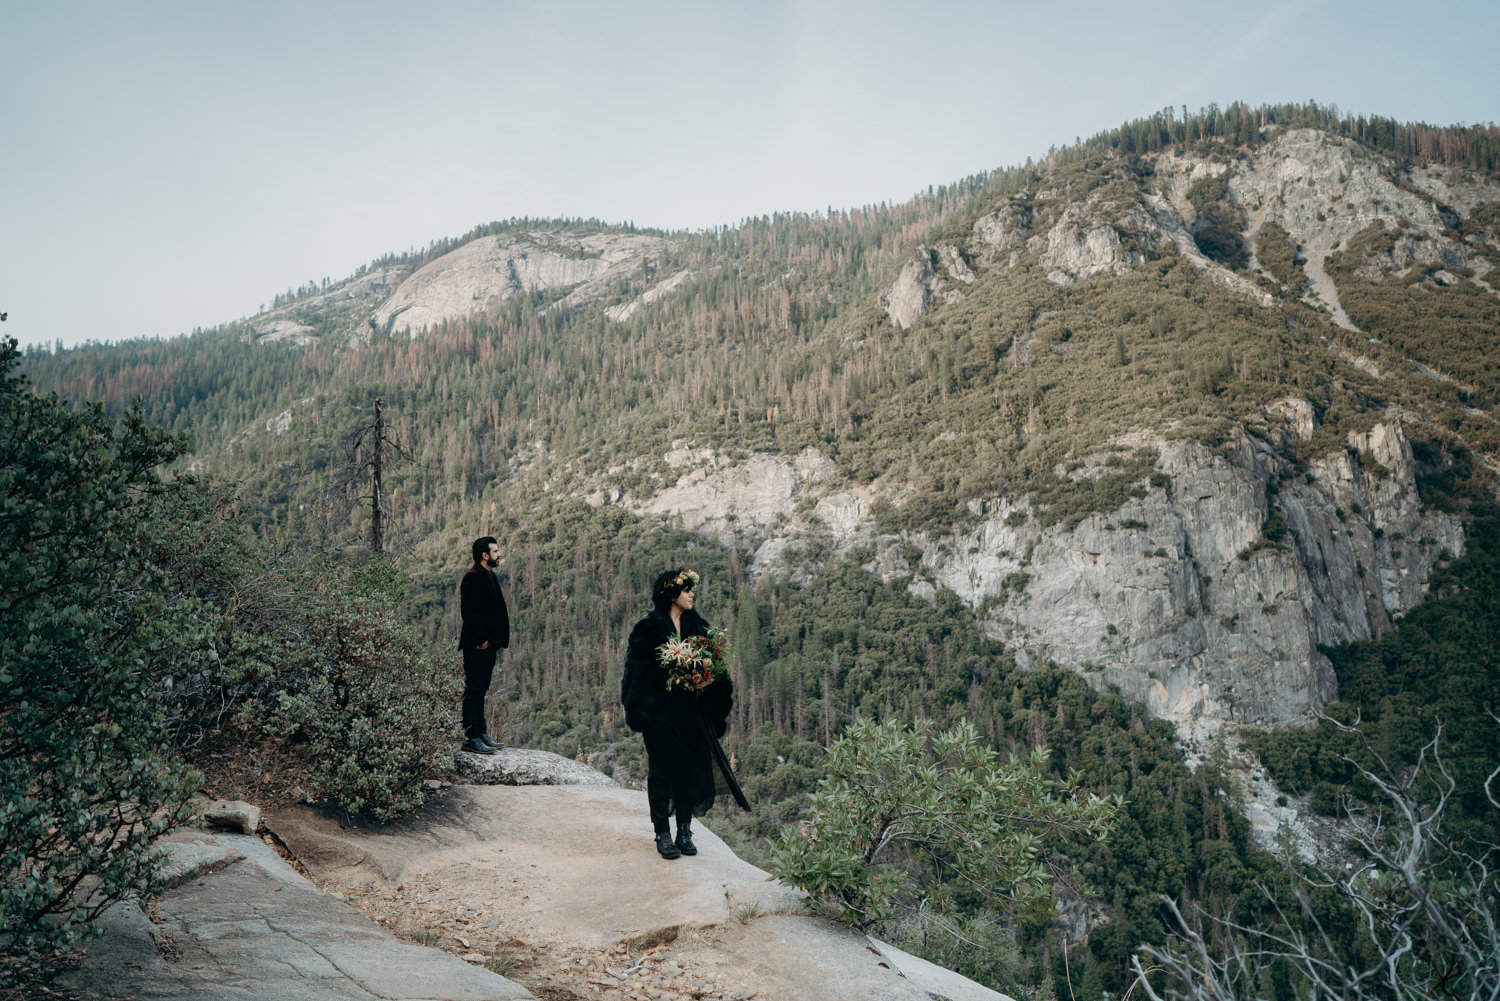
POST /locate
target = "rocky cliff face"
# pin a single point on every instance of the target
(1206, 598)
(492, 269)
(1207, 595)
(478, 275)
(349, 302)
(1184, 600)
(1322, 189)
(930, 276)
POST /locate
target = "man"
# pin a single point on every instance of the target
(485, 632)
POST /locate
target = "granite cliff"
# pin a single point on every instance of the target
(1206, 597)
(1323, 190)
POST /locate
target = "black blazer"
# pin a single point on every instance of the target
(643, 689)
(482, 605)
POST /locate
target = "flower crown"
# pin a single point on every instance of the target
(686, 580)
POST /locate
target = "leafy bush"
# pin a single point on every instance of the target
(1277, 253)
(899, 801)
(88, 627)
(360, 686)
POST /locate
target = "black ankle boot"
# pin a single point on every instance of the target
(685, 840)
(665, 846)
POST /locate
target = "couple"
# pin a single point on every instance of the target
(681, 727)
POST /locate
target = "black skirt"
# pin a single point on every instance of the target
(684, 754)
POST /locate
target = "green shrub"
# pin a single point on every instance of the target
(89, 624)
(897, 800)
(1277, 253)
(1220, 221)
(364, 691)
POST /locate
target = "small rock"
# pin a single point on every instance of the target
(235, 814)
(517, 766)
(473, 957)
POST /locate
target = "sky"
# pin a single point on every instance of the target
(172, 165)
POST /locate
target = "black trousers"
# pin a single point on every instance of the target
(479, 671)
(675, 776)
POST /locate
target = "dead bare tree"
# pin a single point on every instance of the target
(1426, 901)
(367, 446)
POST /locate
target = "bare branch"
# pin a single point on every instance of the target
(1425, 903)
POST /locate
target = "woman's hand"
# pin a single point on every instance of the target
(483, 646)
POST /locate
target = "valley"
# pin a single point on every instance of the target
(1146, 452)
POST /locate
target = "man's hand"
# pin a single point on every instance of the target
(483, 646)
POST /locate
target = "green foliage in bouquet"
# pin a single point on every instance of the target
(693, 663)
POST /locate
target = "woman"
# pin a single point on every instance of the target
(675, 723)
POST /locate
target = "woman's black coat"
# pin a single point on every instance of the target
(643, 690)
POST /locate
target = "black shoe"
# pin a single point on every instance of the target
(477, 746)
(664, 845)
(495, 745)
(685, 840)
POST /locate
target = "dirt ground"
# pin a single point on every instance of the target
(440, 909)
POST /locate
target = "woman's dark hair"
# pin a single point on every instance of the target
(669, 585)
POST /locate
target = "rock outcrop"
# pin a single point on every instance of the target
(1184, 599)
(1206, 597)
(1003, 230)
(729, 500)
(516, 766)
(1086, 241)
(567, 881)
(347, 305)
(490, 270)
(933, 274)
(1322, 189)
(560, 887)
(233, 814)
(626, 310)
(240, 922)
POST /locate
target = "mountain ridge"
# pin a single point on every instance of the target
(1106, 478)
(1010, 367)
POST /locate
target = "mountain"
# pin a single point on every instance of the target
(1182, 410)
(1158, 416)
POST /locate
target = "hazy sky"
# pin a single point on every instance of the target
(172, 165)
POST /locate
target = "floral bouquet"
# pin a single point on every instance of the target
(693, 663)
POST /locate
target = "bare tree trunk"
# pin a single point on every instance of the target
(377, 543)
(367, 446)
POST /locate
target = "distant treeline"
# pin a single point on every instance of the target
(1477, 146)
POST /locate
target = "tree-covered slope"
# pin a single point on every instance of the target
(1057, 366)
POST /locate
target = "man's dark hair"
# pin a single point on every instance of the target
(482, 546)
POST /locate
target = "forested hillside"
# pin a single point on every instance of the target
(1058, 351)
